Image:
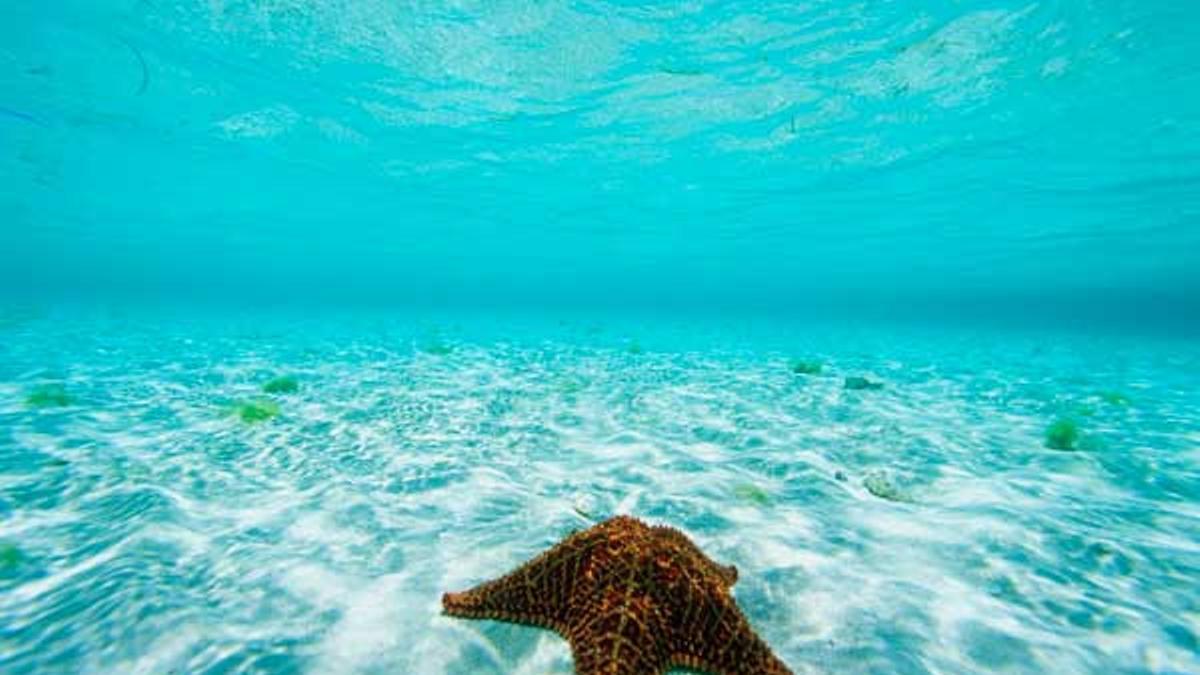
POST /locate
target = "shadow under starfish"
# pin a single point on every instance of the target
(629, 598)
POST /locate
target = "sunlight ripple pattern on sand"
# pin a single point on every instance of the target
(156, 532)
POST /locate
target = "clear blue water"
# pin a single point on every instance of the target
(532, 260)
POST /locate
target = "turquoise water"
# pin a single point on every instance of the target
(516, 265)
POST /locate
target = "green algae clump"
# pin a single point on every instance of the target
(862, 384)
(877, 483)
(752, 493)
(10, 558)
(435, 346)
(282, 385)
(806, 367)
(1063, 434)
(48, 396)
(1114, 398)
(255, 411)
(570, 385)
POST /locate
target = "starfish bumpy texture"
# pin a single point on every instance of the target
(630, 599)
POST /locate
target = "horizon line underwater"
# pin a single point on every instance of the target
(471, 337)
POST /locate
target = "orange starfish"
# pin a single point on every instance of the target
(630, 599)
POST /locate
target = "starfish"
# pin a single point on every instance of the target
(630, 598)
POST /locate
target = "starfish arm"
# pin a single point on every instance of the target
(728, 574)
(537, 593)
(618, 632)
(610, 655)
(731, 648)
